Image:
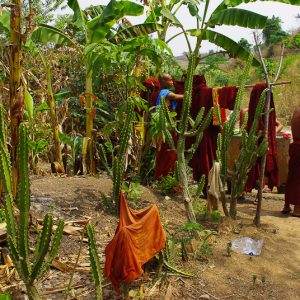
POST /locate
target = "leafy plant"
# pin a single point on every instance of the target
(166, 184)
(17, 233)
(133, 191)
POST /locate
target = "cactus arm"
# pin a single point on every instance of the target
(103, 157)
(205, 123)
(43, 248)
(95, 262)
(53, 250)
(23, 199)
(218, 114)
(199, 118)
(200, 186)
(116, 183)
(166, 111)
(169, 139)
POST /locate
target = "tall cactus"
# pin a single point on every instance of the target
(118, 165)
(198, 126)
(225, 136)
(18, 239)
(95, 262)
(250, 151)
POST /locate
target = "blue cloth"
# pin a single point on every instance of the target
(164, 93)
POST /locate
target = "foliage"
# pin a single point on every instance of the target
(95, 261)
(245, 44)
(133, 191)
(166, 185)
(273, 33)
(272, 67)
(18, 238)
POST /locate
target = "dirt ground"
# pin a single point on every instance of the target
(219, 276)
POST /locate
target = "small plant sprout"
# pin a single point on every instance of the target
(228, 249)
(254, 277)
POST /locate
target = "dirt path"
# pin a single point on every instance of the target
(277, 269)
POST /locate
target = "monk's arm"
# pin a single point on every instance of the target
(174, 97)
(279, 126)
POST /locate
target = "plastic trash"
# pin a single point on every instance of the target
(246, 245)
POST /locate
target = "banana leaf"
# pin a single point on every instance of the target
(79, 18)
(135, 31)
(49, 34)
(100, 26)
(228, 44)
(239, 17)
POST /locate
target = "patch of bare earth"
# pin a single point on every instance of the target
(277, 269)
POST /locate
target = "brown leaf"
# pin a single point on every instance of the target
(169, 292)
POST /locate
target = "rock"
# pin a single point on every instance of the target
(205, 296)
(167, 198)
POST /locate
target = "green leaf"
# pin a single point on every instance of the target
(4, 20)
(5, 297)
(49, 34)
(99, 27)
(29, 104)
(228, 44)
(43, 106)
(239, 17)
(169, 15)
(193, 8)
(79, 19)
(61, 95)
(135, 31)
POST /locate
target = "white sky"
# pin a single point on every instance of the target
(286, 12)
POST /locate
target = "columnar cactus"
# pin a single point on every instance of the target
(95, 261)
(197, 129)
(249, 153)
(17, 237)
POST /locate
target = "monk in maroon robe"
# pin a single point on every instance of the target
(204, 156)
(271, 169)
(292, 189)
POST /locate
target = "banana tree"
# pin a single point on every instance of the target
(226, 13)
(90, 27)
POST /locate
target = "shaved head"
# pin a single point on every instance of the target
(165, 80)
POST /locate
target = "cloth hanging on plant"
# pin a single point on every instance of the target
(216, 100)
(139, 236)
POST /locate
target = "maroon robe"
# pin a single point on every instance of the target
(271, 170)
(204, 156)
(292, 188)
(152, 90)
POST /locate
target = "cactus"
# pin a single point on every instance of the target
(197, 127)
(18, 239)
(103, 158)
(225, 136)
(95, 261)
(119, 160)
(249, 153)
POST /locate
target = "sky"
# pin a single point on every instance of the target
(286, 12)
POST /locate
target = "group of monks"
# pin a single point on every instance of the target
(202, 161)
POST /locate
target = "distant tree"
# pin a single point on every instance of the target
(245, 44)
(273, 32)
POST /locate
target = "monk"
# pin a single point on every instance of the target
(165, 158)
(292, 189)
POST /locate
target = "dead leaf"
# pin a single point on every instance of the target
(169, 292)
(60, 266)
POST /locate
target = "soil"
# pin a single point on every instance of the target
(275, 274)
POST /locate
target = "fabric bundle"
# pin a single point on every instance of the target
(138, 238)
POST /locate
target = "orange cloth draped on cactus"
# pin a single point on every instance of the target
(292, 188)
(271, 170)
(138, 238)
(204, 156)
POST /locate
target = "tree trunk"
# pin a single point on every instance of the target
(15, 86)
(184, 183)
(53, 116)
(89, 119)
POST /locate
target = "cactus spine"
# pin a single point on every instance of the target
(95, 261)
(18, 239)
